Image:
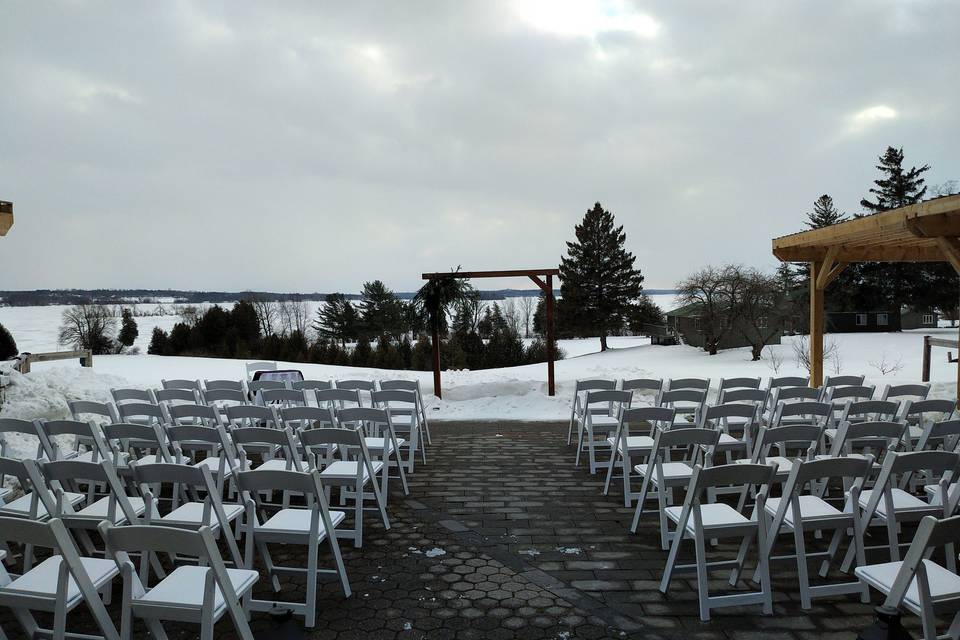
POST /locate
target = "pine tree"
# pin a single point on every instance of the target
(337, 319)
(158, 342)
(8, 347)
(897, 187)
(362, 353)
(599, 281)
(128, 330)
(381, 312)
(824, 213)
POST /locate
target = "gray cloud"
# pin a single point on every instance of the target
(311, 146)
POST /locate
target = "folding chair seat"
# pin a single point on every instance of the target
(194, 500)
(699, 521)
(404, 410)
(189, 385)
(889, 506)
(199, 594)
(410, 385)
(577, 408)
(350, 473)
(599, 424)
(665, 474)
(797, 512)
(642, 387)
(58, 584)
(917, 584)
(626, 447)
(380, 438)
(312, 526)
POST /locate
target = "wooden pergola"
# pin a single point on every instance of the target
(924, 232)
(542, 277)
(6, 217)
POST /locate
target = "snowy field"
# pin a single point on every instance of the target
(516, 393)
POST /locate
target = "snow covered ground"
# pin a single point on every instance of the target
(516, 393)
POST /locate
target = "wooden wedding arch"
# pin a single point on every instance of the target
(542, 277)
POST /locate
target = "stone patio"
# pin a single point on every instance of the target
(502, 538)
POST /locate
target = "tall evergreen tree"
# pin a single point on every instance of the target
(8, 347)
(337, 319)
(381, 312)
(897, 187)
(599, 281)
(128, 330)
(824, 213)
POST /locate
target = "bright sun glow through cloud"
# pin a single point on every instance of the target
(870, 116)
(586, 18)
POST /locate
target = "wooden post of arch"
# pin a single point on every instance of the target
(543, 278)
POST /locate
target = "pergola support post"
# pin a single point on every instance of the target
(436, 362)
(816, 325)
(551, 338)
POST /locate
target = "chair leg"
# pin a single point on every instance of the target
(627, 467)
(671, 561)
(310, 614)
(613, 459)
(358, 515)
(802, 573)
(643, 496)
(703, 594)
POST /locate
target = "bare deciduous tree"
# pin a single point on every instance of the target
(88, 326)
(527, 306)
(293, 316)
(717, 292)
(266, 315)
(760, 312)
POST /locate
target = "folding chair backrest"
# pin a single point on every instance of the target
(938, 462)
(175, 394)
(656, 416)
(65, 474)
(305, 417)
(309, 385)
(27, 474)
(194, 414)
(855, 392)
(337, 397)
(403, 385)
(305, 482)
(795, 436)
(787, 381)
(652, 386)
(190, 385)
(85, 432)
(906, 391)
(791, 394)
(739, 383)
(730, 410)
(877, 435)
(101, 411)
(158, 539)
(250, 415)
(732, 474)
(843, 381)
(357, 385)
(945, 432)
(674, 384)
(10, 427)
(871, 409)
(668, 398)
(213, 396)
(608, 396)
(817, 413)
(374, 415)
(141, 412)
(23, 531)
(283, 396)
(816, 470)
(923, 409)
(322, 437)
(132, 395)
(262, 385)
(742, 395)
(594, 385)
(121, 437)
(390, 397)
(223, 385)
(253, 367)
(256, 437)
(691, 437)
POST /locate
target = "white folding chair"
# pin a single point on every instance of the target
(799, 511)
(904, 392)
(626, 446)
(803, 439)
(411, 385)
(253, 367)
(404, 413)
(725, 418)
(662, 471)
(282, 397)
(919, 585)
(734, 384)
(686, 402)
(56, 585)
(641, 387)
(600, 424)
(310, 526)
(700, 521)
(350, 469)
(100, 412)
(380, 438)
(199, 594)
(23, 430)
(577, 408)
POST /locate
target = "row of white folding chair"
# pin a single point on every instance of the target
(286, 526)
(796, 511)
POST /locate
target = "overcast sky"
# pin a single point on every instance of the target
(315, 145)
